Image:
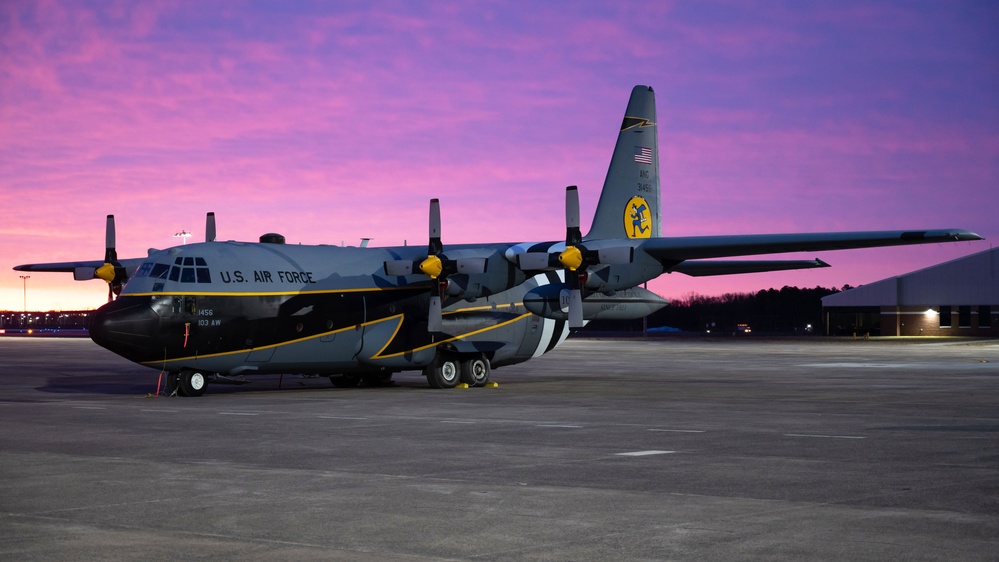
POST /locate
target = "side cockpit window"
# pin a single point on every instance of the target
(154, 270)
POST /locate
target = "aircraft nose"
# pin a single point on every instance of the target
(125, 327)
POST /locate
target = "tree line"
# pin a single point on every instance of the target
(789, 310)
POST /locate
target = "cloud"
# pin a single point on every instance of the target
(332, 122)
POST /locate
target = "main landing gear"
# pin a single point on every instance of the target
(447, 370)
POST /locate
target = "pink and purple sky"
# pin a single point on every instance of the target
(332, 121)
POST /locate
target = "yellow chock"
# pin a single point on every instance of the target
(462, 385)
(492, 385)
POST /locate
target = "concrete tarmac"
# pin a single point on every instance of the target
(803, 449)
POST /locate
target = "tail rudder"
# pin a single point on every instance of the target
(629, 202)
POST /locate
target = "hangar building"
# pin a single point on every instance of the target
(955, 298)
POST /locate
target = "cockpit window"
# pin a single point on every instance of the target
(183, 270)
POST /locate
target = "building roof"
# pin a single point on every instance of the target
(971, 280)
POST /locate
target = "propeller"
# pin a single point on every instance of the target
(112, 271)
(576, 258)
(434, 267)
(573, 257)
(437, 266)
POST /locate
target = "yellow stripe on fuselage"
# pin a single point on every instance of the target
(451, 339)
(377, 355)
(276, 345)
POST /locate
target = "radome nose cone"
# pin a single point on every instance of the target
(124, 327)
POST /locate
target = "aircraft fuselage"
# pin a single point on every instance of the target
(296, 309)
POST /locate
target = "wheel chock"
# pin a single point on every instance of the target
(462, 385)
(492, 385)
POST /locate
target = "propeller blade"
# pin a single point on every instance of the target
(575, 308)
(616, 256)
(573, 280)
(471, 265)
(84, 273)
(210, 227)
(398, 267)
(435, 321)
(435, 246)
(533, 261)
(110, 255)
(572, 234)
(435, 316)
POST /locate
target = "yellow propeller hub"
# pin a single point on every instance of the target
(432, 266)
(105, 272)
(572, 258)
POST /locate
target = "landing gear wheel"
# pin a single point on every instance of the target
(345, 381)
(191, 383)
(444, 372)
(475, 371)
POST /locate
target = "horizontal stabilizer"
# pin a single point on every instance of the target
(704, 268)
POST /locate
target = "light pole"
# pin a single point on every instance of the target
(25, 279)
(183, 235)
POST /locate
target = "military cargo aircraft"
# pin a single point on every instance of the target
(219, 311)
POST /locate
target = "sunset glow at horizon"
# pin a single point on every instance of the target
(332, 122)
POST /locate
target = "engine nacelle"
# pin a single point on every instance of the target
(552, 301)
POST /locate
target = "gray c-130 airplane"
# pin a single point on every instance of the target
(220, 311)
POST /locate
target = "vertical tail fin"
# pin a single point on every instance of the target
(629, 202)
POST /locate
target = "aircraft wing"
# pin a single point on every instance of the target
(81, 270)
(672, 251)
(703, 268)
(61, 267)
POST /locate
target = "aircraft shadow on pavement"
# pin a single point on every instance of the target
(142, 385)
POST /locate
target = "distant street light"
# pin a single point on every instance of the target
(183, 235)
(25, 279)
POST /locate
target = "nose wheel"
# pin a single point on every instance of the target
(188, 382)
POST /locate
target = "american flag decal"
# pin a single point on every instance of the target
(643, 155)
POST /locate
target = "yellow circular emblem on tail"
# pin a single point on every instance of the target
(638, 218)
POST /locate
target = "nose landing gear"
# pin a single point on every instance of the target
(187, 382)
